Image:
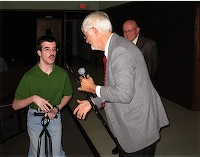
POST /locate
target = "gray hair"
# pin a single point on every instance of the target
(97, 19)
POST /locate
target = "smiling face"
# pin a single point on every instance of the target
(130, 30)
(47, 53)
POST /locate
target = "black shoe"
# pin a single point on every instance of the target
(115, 150)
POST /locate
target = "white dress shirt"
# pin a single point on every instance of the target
(106, 54)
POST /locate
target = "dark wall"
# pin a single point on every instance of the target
(18, 35)
(171, 25)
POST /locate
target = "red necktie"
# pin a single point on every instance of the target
(104, 65)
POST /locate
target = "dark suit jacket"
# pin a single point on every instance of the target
(134, 110)
(150, 51)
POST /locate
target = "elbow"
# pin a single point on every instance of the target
(14, 108)
(14, 105)
(127, 98)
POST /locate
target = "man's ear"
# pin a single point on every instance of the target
(39, 52)
(95, 30)
(138, 30)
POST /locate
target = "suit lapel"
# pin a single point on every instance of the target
(140, 43)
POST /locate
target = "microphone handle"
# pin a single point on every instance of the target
(93, 95)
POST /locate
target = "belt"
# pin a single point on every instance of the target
(36, 107)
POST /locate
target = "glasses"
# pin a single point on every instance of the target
(84, 36)
(129, 31)
(49, 49)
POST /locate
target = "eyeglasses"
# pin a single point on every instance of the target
(129, 31)
(84, 36)
(49, 49)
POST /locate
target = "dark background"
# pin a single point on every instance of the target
(170, 24)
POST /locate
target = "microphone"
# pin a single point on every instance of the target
(81, 71)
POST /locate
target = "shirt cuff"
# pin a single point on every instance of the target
(98, 91)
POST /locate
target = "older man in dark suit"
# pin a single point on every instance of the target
(133, 108)
(148, 47)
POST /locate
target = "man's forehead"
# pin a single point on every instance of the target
(46, 43)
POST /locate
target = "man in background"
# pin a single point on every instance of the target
(148, 47)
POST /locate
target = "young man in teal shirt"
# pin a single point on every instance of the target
(45, 88)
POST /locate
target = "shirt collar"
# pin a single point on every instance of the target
(136, 39)
(107, 44)
(40, 70)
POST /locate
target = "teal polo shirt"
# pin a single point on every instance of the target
(51, 87)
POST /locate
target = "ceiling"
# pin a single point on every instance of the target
(59, 5)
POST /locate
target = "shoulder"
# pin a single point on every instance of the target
(60, 70)
(146, 40)
(32, 70)
(29, 74)
(119, 41)
(117, 38)
(120, 47)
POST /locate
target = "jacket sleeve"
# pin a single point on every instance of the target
(120, 84)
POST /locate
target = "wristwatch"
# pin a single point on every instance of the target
(57, 108)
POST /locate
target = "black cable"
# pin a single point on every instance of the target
(94, 107)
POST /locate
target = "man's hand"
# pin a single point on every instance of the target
(43, 104)
(82, 109)
(52, 114)
(87, 85)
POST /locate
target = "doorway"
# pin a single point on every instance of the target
(51, 26)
